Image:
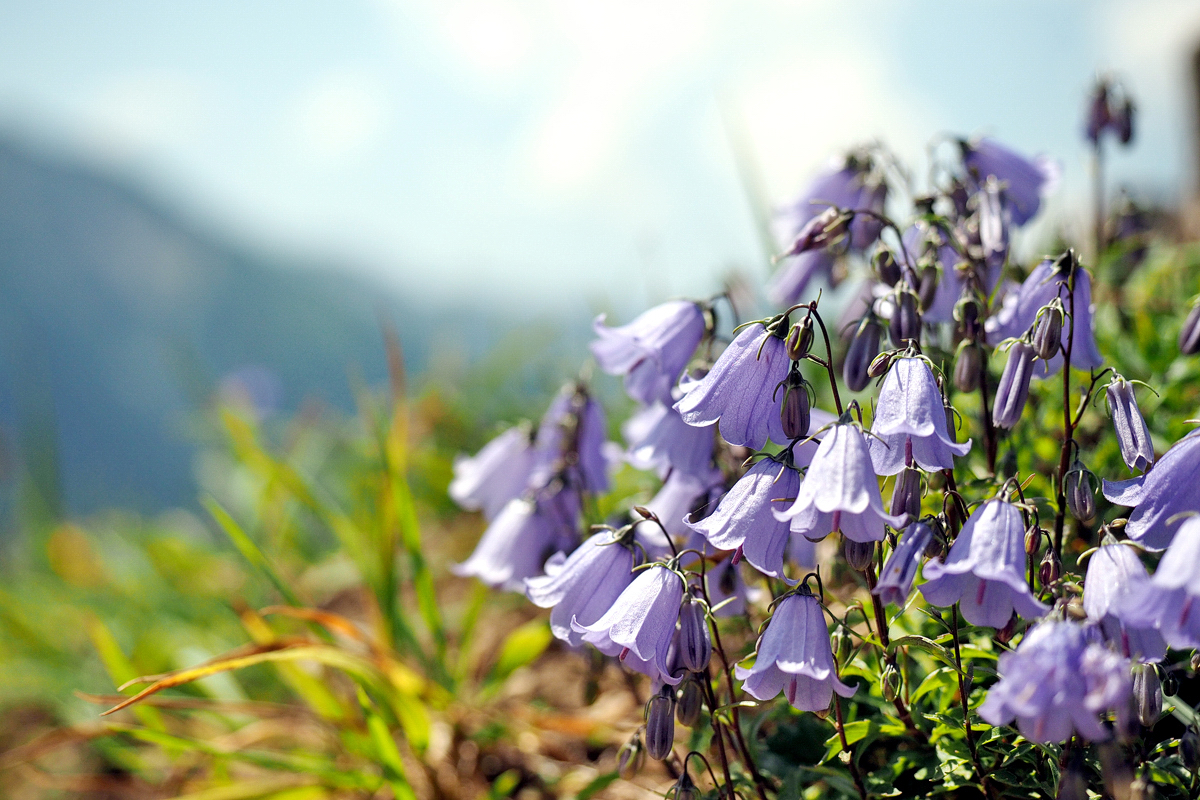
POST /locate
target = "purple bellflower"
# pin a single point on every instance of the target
(571, 442)
(738, 393)
(640, 625)
(1013, 390)
(795, 657)
(1170, 600)
(660, 440)
(1114, 576)
(788, 283)
(1045, 283)
(910, 422)
(585, 586)
(496, 474)
(523, 535)
(744, 519)
(985, 569)
(677, 498)
(652, 350)
(1024, 181)
(840, 492)
(1161, 495)
(896, 580)
(1132, 433)
(1057, 683)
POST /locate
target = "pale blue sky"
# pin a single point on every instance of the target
(506, 150)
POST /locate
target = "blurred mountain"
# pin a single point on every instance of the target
(119, 319)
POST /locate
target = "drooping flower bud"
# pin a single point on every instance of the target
(1013, 390)
(905, 325)
(1122, 121)
(906, 497)
(695, 646)
(800, 339)
(927, 288)
(1189, 748)
(968, 366)
(1050, 569)
(1189, 335)
(1132, 434)
(795, 415)
(1098, 116)
(1033, 541)
(858, 554)
(890, 682)
(685, 788)
(820, 231)
(1080, 488)
(691, 701)
(886, 267)
(1170, 685)
(864, 346)
(1047, 330)
(631, 757)
(896, 577)
(880, 364)
(1147, 693)
(843, 645)
(660, 724)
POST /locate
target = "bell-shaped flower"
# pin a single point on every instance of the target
(1024, 181)
(652, 350)
(910, 422)
(840, 491)
(496, 474)
(1115, 575)
(985, 569)
(1057, 683)
(1159, 497)
(571, 442)
(522, 537)
(795, 657)
(896, 579)
(739, 392)
(660, 440)
(1132, 434)
(786, 286)
(744, 519)
(1046, 282)
(674, 503)
(1170, 600)
(584, 586)
(1013, 390)
(639, 626)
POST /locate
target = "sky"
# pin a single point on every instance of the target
(522, 153)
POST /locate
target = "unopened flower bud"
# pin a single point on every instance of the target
(1189, 748)
(1050, 569)
(927, 289)
(879, 365)
(1013, 390)
(1005, 634)
(660, 724)
(864, 346)
(1122, 121)
(886, 267)
(795, 413)
(906, 497)
(890, 682)
(968, 366)
(1047, 330)
(691, 701)
(800, 339)
(937, 542)
(858, 554)
(905, 325)
(1189, 335)
(1033, 541)
(685, 788)
(843, 645)
(631, 757)
(1195, 663)
(1170, 685)
(1098, 117)
(819, 232)
(695, 646)
(1132, 434)
(1147, 694)
(1080, 488)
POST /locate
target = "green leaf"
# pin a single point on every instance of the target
(521, 647)
(598, 784)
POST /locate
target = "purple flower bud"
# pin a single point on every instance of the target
(1122, 121)
(1057, 683)
(631, 757)
(1147, 694)
(800, 339)
(1132, 433)
(652, 350)
(1047, 330)
(821, 231)
(795, 657)
(795, 414)
(660, 440)
(1050, 569)
(685, 788)
(1080, 489)
(968, 367)
(744, 517)
(520, 539)
(931, 243)
(906, 496)
(639, 626)
(905, 324)
(585, 586)
(864, 346)
(1170, 600)
(858, 554)
(896, 579)
(927, 289)
(985, 569)
(1098, 117)
(840, 491)
(1024, 181)
(660, 724)
(1160, 496)
(1189, 334)
(886, 267)
(691, 702)
(496, 474)
(695, 646)
(738, 393)
(1013, 390)
(910, 427)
